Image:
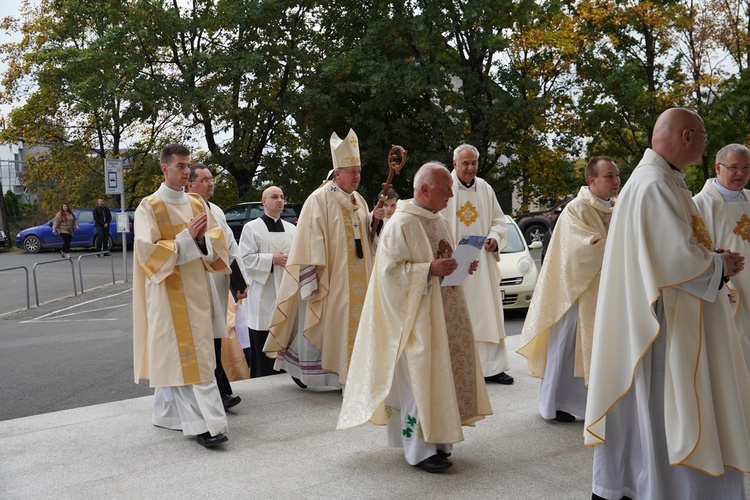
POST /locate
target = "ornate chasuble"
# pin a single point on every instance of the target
(475, 210)
(728, 225)
(570, 274)
(405, 314)
(457, 324)
(331, 235)
(706, 397)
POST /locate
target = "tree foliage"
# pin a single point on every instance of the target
(536, 85)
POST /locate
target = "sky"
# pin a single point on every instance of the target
(9, 8)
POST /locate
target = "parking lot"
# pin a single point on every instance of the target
(73, 350)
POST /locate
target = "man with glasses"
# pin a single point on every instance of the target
(724, 204)
(201, 182)
(668, 408)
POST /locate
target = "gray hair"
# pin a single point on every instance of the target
(426, 173)
(731, 149)
(463, 147)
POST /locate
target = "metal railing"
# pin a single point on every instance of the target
(28, 296)
(72, 272)
(105, 254)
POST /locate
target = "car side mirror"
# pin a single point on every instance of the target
(535, 244)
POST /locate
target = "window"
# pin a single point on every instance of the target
(86, 216)
(236, 214)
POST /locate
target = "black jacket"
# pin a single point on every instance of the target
(102, 216)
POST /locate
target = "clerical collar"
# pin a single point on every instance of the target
(679, 176)
(729, 194)
(172, 195)
(415, 202)
(607, 203)
(273, 225)
(340, 188)
(466, 185)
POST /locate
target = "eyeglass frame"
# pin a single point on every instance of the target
(705, 137)
(734, 168)
(210, 180)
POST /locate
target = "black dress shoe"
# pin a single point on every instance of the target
(230, 401)
(501, 378)
(434, 464)
(299, 382)
(207, 440)
(443, 454)
(563, 416)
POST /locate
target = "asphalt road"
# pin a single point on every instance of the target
(55, 275)
(74, 350)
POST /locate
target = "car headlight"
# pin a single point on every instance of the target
(524, 266)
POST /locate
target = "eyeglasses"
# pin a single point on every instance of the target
(206, 181)
(705, 134)
(736, 168)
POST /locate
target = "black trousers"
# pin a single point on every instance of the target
(66, 242)
(102, 239)
(260, 364)
(221, 377)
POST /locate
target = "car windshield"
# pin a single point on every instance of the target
(515, 243)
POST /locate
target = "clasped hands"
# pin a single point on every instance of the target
(197, 226)
(734, 263)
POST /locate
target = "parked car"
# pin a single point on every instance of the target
(3, 239)
(37, 238)
(241, 213)
(534, 225)
(518, 272)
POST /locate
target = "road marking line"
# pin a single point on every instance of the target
(78, 305)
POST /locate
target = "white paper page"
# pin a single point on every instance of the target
(466, 252)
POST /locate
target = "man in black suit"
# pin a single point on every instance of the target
(102, 218)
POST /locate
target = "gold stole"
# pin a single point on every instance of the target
(175, 287)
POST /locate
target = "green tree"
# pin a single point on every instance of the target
(231, 69)
(12, 205)
(628, 73)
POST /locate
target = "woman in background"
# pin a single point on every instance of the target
(65, 223)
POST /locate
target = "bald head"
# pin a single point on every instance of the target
(272, 200)
(433, 186)
(679, 137)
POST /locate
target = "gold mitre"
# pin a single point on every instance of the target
(345, 152)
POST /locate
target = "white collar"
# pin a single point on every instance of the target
(729, 194)
(172, 195)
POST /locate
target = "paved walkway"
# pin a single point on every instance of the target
(283, 444)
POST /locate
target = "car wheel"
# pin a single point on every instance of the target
(534, 232)
(32, 244)
(111, 242)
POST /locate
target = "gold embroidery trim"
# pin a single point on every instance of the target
(467, 214)
(742, 229)
(182, 330)
(701, 233)
(175, 287)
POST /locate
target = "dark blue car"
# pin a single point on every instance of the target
(36, 238)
